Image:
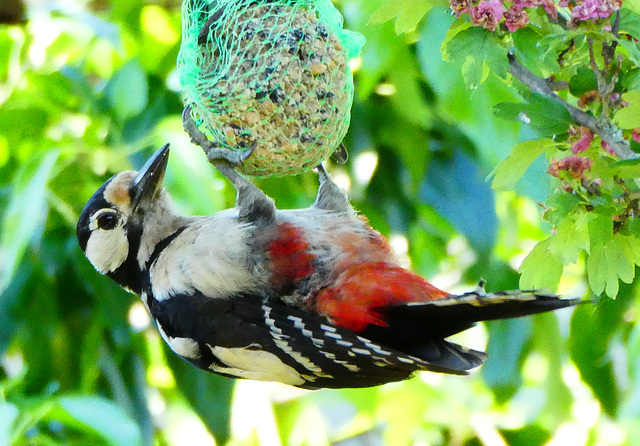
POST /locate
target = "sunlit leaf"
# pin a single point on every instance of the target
(629, 117)
(541, 269)
(408, 13)
(611, 258)
(626, 168)
(510, 170)
(570, 238)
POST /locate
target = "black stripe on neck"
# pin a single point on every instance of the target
(161, 246)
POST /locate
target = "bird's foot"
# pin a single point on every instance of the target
(330, 197)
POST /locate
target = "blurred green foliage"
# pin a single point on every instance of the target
(88, 89)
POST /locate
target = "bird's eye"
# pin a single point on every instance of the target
(107, 221)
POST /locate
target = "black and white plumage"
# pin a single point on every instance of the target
(313, 298)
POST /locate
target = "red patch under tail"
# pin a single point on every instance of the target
(362, 290)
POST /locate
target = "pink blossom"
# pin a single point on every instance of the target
(487, 14)
(586, 136)
(526, 3)
(607, 148)
(607, 7)
(573, 164)
(459, 7)
(551, 8)
(515, 18)
(594, 9)
(563, 3)
(635, 134)
(584, 11)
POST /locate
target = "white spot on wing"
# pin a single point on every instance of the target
(255, 364)
(280, 340)
(361, 351)
(185, 347)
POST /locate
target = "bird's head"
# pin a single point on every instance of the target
(111, 224)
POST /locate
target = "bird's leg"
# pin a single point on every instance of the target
(233, 157)
(253, 205)
(330, 197)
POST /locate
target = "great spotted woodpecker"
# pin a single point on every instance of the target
(313, 298)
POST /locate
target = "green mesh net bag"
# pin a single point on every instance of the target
(271, 76)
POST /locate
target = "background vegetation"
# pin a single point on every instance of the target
(89, 88)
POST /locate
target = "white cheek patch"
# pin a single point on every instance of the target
(107, 250)
(255, 364)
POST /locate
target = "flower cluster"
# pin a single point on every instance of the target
(513, 15)
(582, 10)
(490, 14)
(575, 165)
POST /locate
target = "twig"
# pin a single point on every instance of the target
(602, 127)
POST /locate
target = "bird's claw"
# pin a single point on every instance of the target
(214, 154)
(234, 157)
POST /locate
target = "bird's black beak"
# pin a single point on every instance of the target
(148, 183)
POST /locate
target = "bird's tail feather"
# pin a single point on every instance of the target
(453, 314)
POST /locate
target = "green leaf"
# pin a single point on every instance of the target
(456, 28)
(480, 45)
(128, 91)
(548, 118)
(541, 59)
(629, 117)
(510, 170)
(529, 435)
(629, 22)
(632, 51)
(26, 213)
(626, 168)
(610, 258)
(571, 236)
(474, 72)
(101, 416)
(408, 13)
(593, 327)
(541, 269)
(583, 81)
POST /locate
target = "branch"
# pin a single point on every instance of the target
(602, 127)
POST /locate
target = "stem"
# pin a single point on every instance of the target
(602, 127)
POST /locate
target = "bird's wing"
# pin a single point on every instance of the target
(243, 336)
